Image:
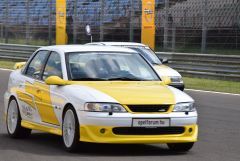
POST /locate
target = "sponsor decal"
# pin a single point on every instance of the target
(27, 111)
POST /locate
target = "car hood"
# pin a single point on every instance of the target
(126, 92)
(163, 70)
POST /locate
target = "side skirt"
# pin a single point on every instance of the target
(34, 126)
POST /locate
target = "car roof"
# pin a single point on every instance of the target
(86, 48)
(118, 44)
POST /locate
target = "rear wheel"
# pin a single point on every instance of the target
(70, 130)
(13, 121)
(180, 147)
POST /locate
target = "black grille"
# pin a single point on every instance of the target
(149, 108)
(147, 131)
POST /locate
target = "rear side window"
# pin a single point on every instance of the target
(35, 66)
(53, 66)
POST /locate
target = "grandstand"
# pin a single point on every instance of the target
(35, 19)
(220, 13)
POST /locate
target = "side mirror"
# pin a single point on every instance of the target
(55, 80)
(164, 60)
(19, 65)
(166, 80)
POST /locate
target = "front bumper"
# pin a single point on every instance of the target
(98, 128)
(90, 133)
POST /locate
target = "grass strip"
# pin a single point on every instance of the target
(7, 64)
(212, 85)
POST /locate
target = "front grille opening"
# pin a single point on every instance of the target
(149, 108)
(148, 131)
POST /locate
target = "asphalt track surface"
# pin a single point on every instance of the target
(219, 137)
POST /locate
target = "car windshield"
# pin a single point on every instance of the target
(105, 66)
(148, 54)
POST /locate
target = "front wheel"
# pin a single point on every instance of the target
(13, 121)
(70, 130)
(180, 147)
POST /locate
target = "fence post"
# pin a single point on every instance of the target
(131, 26)
(101, 21)
(173, 38)
(1, 32)
(184, 25)
(204, 26)
(237, 21)
(6, 21)
(165, 40)
(27, 22)
(75, 22)
(50, 23)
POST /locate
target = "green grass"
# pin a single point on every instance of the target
(7, 64)
(192, 83)
(212, 85)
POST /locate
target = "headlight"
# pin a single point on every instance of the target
(184, 107)
(176, 79)
(104, 107)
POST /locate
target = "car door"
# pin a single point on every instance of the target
(46, 107)
(28, 94)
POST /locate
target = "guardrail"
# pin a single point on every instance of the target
(16, 51)
(226, 67)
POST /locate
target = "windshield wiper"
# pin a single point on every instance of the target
(108, 79)
(89, 79)
(126, 78)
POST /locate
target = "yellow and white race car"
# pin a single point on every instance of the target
(99, 94)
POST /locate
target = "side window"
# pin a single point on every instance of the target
(53, 66)
(36, 65)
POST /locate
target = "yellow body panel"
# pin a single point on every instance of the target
(41, 94)
(136, 92)
(26, 98)
(34, 126)
(91, 133)
(45, 107)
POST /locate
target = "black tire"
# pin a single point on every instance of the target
(19, 131)
(180, 147)
(74, 146)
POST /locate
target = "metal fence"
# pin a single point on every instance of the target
(207, 26)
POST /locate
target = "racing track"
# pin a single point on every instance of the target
(219, 138)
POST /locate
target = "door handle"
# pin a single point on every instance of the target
(38, 94)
